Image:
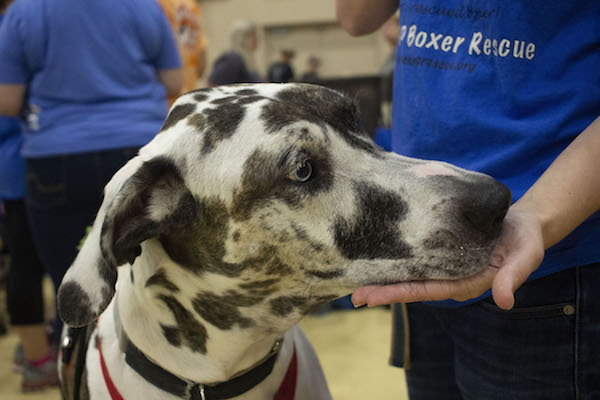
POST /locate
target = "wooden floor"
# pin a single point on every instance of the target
(353, 346)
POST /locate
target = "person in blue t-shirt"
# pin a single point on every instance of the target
(34, 356)
(512, 91)
(90, 81)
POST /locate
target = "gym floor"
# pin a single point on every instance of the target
(353, 346)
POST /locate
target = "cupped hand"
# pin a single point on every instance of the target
(519, 251)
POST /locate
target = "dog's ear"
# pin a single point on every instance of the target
(142, 200)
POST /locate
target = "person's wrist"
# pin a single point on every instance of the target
(538, 216)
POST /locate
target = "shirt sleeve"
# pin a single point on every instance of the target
(13, 60)
(168, 54)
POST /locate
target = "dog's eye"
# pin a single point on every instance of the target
(302, 173)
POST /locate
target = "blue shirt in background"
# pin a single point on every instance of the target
(91, 70)
(12, 165)
(501, 88)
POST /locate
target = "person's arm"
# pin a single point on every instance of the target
(569, 190)
(166, 57)
(12, 97)
(172, 80)
(14, 69)
(361, 17)
(562, 198)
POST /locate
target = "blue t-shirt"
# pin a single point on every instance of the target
(91, 70)
(12, 165)
(501, 88)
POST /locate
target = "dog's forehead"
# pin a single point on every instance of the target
(222, 109)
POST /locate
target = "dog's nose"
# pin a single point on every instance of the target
(486, 205)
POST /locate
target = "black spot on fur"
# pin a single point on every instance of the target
(160, 279)
(107, 272)
(74, 305)
(172, 335)
(258, 284)
(373, 232)
(200, 97)
(223, 311)
(261, 288)
(274, 266)
(198, 121)
(251, 99)
(178, 113)
(236, 236)
(224, 100)
(320, 106)
(246, 92)
(201, 90)
(191, 333)
(222, 122)
(336, 273)
(201, 246)
(285, 305)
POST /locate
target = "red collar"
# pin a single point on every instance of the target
(112, 389)
(287, 389)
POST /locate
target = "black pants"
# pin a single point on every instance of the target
(546, 347)
(24, 282)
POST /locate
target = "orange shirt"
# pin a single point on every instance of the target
(186, 20)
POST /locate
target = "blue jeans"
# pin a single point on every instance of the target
(62, 197)
(547, 347)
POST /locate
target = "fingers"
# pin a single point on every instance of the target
(517, 267)
(460, 290)
(359, 297)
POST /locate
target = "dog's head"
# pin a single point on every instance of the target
(278, 189)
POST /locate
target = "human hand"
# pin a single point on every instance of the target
(519, 251)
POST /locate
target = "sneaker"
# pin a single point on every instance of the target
(41, 376)
(18, 359)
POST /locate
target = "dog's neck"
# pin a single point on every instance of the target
(165, 326)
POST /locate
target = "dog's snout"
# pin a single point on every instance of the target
(486, 205)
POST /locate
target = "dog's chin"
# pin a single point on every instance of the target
(447, 268)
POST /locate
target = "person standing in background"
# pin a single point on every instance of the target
(90, 81)
(312, 73)
(237, 64)
(185, 17)
(281, 71)
(34, 356)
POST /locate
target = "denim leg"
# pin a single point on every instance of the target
(525, 353)
(63, 196)
(431, 371)
(24, 299)
(588, 339)
(547, 347)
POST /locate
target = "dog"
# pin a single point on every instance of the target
(254, 204)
